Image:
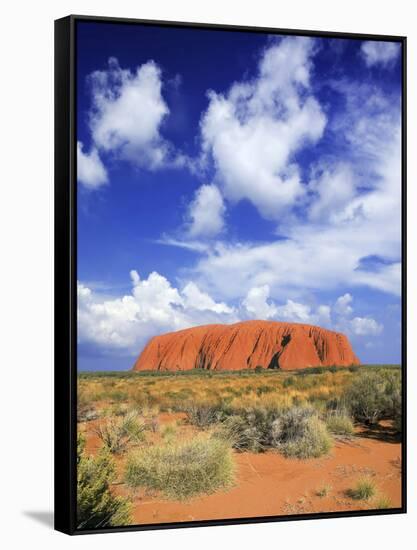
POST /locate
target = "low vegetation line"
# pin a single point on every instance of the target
(241, 372)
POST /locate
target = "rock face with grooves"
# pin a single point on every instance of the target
(269, 344)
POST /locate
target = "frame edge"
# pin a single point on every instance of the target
(64, 395)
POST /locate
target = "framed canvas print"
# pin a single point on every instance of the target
(230, 274)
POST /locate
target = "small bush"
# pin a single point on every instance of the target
(290, 381)
(86, 413)
(117, 409)
(168, 432)
(117, 434)
(340, 424)
(397, 424)
(96, 505)
(261, 390)
(295, 432)
(374, 395)
(290, 425)
(117, 396)
(150, 417)
(363, 490)
(204, 415)
(383, 503)
(182, 470)
(312, 443)
(249, 428)
(324, 491)
(241, 434)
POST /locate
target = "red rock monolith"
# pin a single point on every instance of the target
(247, 345)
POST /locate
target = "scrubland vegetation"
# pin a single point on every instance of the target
(182, 470)
(297, 414)
(96, 505)
(364, 489)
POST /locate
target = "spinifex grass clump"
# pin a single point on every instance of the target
(296, 432)
(248, 429)
(203, 415)
(117, 433)
(383, 503)
(324, 491)
(363, 490)
(339, 423)
(182, 470)
(299, 433)
(96, 505)
(169, 432)
(241, 434)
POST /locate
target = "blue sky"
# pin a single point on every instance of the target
(225, 176)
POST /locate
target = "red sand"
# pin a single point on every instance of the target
(267, 484)
(247, 345)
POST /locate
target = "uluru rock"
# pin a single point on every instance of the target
(248, 344)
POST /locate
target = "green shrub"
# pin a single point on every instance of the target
(117, 396)
(261, 390)
(295, 432)
(241, 434)
(363, 490)
(204, 415)
(290, 381)
(249, 429)
(313, 442)
(311, 370)
(397, 424)
(96, 505)
(117, 434)
(182, 470)
(290, 425)
(339, 423)
(374, 395)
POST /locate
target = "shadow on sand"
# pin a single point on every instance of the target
(381, 433)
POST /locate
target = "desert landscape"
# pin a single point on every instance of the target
(252, 419)
(239, 275)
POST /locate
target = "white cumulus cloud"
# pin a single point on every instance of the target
(125, 323)
(294, 311)
(127, 114)
(364, 326)
(257, 303)
(154, 306)
(91, 172)
(333, 189)
(194, 298)
(383, 53)
(253, 131)
(324, 251)
(343, 305)
(206, 212)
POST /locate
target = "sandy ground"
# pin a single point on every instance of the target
(267, 484)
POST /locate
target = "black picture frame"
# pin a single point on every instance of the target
(66, 269)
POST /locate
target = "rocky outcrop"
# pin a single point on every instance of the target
(248, 344)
